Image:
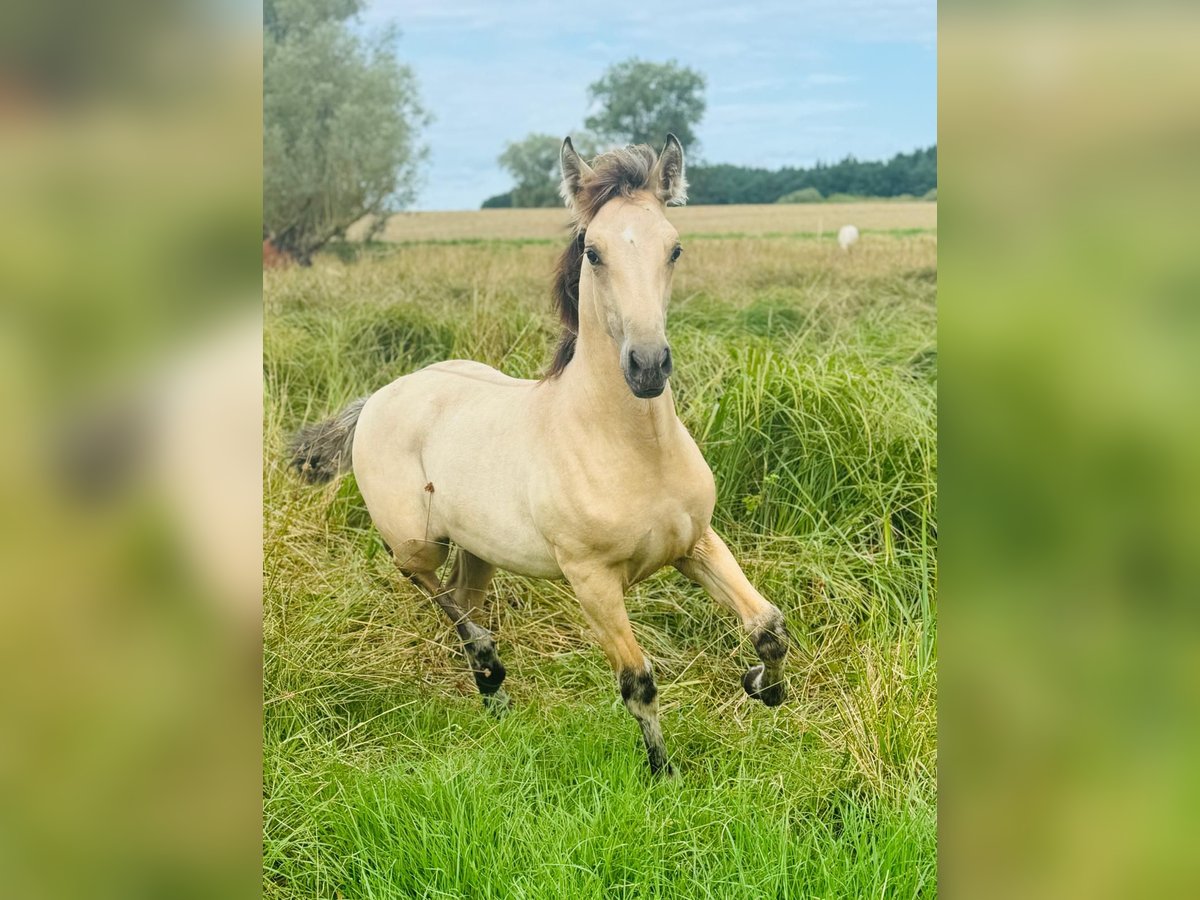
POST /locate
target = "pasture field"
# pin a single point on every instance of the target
(773, 219)
(808, 377)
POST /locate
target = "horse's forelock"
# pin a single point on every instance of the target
(617, 173)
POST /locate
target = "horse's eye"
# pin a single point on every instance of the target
(676, 253)
(593, 256)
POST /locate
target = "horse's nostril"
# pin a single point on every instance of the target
(653, 363)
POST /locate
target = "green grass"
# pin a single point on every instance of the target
(808, 376)
(554, 802)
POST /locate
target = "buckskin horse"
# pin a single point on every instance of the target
(586, 474)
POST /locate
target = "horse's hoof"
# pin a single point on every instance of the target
(489, 680)
(769, 695)
(498, 703)
(662, 770)
(488, 670)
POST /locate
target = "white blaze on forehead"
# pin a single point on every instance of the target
(627, 234)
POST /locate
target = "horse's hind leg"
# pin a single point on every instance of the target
(462, 602)
(712, 566)
(470, 579)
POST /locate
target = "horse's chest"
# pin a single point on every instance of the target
(645, 520)
(665, 535)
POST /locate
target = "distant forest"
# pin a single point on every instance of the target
(905, 174)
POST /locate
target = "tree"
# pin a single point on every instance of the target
(533, 164)
(341, 118)
(640, 102)
(499, 201)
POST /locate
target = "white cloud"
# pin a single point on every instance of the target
(779, 113)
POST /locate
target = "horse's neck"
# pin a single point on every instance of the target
(595, 384)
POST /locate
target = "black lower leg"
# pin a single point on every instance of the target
(641, 699)
(765, 681)
(485, 661)
(480, 648)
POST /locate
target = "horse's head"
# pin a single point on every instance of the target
(628, 249)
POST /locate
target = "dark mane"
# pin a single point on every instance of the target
(617, 173)
(566, 302)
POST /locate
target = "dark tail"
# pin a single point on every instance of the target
(321, 452)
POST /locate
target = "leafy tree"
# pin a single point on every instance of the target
(640, 102)
(341, 118)
(533, 164)
(499, 201)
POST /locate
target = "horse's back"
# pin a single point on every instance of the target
(413, 410)
(470, 370)
(420, 397)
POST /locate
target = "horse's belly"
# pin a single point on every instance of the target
(515, 556)
(480, 502)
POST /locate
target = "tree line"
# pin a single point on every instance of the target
(904, 175)
(913, 174)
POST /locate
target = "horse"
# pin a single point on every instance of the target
(586, 474)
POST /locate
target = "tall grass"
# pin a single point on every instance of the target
(808, 376)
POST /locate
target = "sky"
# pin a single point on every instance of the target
(790, 82)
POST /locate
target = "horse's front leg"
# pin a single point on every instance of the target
(601, 596)
(712, 566)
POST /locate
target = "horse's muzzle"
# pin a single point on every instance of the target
(647, 369)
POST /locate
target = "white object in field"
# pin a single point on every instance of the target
(847, 236)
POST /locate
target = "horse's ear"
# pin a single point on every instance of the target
(668, 178)
(574, 171)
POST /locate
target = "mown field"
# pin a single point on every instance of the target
(816, 219)
(808, 377)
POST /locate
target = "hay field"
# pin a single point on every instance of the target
(548, 224)
(808, 377)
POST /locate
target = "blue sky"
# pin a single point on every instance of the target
(790, 82)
